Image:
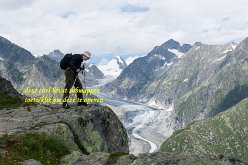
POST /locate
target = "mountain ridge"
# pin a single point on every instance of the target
(228, 131)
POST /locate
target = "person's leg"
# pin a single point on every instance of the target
(78, 85)
(69, 80)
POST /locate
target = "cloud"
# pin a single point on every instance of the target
(14, 4)
(134, 8)
(120, 27)
(67, 14)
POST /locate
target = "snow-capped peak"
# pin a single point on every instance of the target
(118, 58)
(122, 64)
(113, 67)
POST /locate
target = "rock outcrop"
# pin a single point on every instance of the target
(160, 158)
(91, 129)
(7, 88)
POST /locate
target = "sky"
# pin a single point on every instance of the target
(120, 27)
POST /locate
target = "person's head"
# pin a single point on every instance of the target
(86, 55)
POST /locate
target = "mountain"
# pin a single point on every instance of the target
(15, 61)
(57, 55)
(204, 81)
(132, 82)
(113, 67)
(224, 134)
(129, 60)
(14, 54)
(207, 81)
(95, 71)
(24, 70)
(91, 76)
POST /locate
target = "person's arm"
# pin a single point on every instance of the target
(72, 62)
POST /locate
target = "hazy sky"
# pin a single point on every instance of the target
(120, 27)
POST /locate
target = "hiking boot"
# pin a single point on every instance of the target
(66, 106)
(82, 103)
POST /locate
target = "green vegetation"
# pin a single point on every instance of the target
(9, 102)
(17, 148)
(233, 97)
(77, 141)
(114, 157)
(224, 134)
(12, 102)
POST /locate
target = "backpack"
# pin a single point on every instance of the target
(64, 63)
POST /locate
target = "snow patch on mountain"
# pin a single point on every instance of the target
(196, 48)
(153, 104)
(176, 52)
(1, 59)
(186, 80)
(231, 48)
(219, 59)
(233, 45)
(169, 64)
(129, 60)
(159, 56)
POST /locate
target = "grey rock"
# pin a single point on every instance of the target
(57, 55)
(95, 71)
(121, 62)
(160, 158)
(32, 162)
(126, 159)
(96, 158)
(87, 129)
(74, 156)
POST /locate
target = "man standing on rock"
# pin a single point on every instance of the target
(71, 77)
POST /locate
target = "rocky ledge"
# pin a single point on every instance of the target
(85, 129)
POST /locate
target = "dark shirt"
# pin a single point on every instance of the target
(76, 61)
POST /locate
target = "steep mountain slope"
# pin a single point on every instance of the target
(15, 61)
(42, 74)
(129, 60)
(136, 77)
(224, 134)
(207, 81)
(23, 69)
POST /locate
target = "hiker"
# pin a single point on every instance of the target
(71, 76)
